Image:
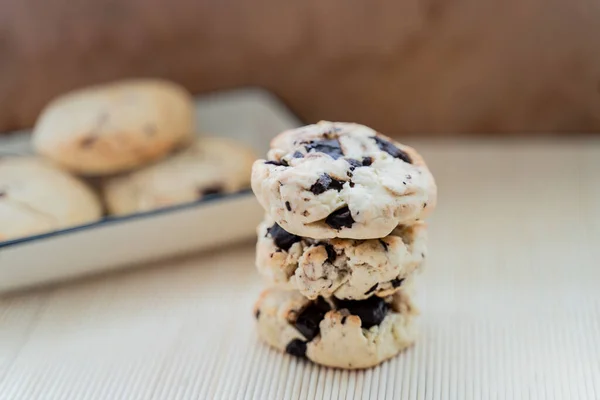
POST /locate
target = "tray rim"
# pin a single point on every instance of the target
(108, 220)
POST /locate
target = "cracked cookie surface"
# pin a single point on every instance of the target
(342, 180)
(343, 268)
(344, 334)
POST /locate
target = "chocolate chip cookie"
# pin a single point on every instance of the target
(342, 180)
(343, 268)
(346, 334)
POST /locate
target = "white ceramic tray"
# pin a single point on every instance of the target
(251, 115)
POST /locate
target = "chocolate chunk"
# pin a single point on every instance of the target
(331, 147)
(384, 244)
(353, 163)
(2, 193)
(88, 141)
(282, 238)
(424, 205)
(288, 206)
(278, 163)
(211, 190)
(331, 254)
(391, 149)
(326, 182)
(351, 184)
(371, 290)
(308, 321)
(296, 348)
(343, 320)
(370, 311)
(396, 282)
(297, 154)
(257, 314)
(340, 218)
(367, 161)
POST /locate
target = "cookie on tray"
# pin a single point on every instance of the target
(343, 268)
(346, 334)
(106, 129)
(209, 166)
(342, 180)
(37, 197)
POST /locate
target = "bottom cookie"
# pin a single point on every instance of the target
(348, 334)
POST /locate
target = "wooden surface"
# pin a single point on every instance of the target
(509, 300)
(411, 66)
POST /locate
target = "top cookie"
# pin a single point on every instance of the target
(37, 197)
(112, 128)
(342, 180)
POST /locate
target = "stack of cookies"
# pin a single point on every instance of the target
(342, 238)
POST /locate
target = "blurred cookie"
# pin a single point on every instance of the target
(344, 334)
(343, 268)
(342, 180)
(37, 197)
(208, 166)
(112, 128)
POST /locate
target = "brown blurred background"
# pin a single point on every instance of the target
(408, 66)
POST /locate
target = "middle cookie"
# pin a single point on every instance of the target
(343, 268)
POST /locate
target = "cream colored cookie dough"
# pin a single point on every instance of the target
(115, 127)
(208, 166)
(37, 197)
(344, 268)
(342, 180)
(350, 334)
